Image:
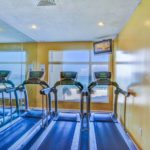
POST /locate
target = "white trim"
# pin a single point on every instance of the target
(26, 137)
(76, 137)
(92, 138)
(37, 144)
(130, 143)
(10, 124)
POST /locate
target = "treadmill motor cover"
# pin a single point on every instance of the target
(36, 74)
(68, 75)
(4, 74)
(102, 75)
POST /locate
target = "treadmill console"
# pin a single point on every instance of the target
(102, 75)
(4, 74)
(36, 75)
(68, 75)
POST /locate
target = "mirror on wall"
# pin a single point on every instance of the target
(13, 64)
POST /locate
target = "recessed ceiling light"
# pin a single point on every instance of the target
(34, 26)
(101, 24)
(147, 23)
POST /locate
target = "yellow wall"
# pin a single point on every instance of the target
(42, 58)
(37, 53)
(43, 49)
(134, 41)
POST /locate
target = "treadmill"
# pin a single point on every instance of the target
(7, 111)
(105, 130)
(36, 78)
(63, 133)
(31, 121)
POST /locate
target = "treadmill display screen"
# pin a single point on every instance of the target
(68, 75)
(36, 74)
(102, 75)
(4, 74)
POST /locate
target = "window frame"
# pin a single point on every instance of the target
(90, 63)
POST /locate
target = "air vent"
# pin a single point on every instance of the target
(46, 3)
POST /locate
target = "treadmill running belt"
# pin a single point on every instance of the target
(60, 137)
(13, 133)
(108, 137)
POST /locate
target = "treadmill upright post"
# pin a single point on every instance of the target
(47, 110)
(49, 103)
(82, 104)
(17, 101)
(3, 103)
(88, 104)
(26, 99)
(11, 106)
(56, 100)
(116, 102)
(42, 111)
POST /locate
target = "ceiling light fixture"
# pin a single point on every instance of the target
(101, 24)
(34, 26)
(46, 3)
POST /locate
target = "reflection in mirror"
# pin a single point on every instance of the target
(9, 34)
(9, 107)
(13, 58)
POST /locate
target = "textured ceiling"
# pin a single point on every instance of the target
(68, 20)
(10, 34)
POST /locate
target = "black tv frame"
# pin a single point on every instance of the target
(100, 52)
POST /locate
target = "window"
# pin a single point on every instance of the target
(15, 61)
(82, 61)
(126, 69)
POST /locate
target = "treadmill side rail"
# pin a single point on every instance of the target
(26, 137)
(76, 137)
(126, 137)
(92, 138)
(37, 144)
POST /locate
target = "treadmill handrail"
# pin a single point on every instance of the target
(45, 91)
(118, 91)
(69, 82)
(121, 91)
(10, 90)
(7, 82)
(102, 82)
(32, 81)
(35, 81)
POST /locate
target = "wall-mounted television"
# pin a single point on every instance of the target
(104, 46)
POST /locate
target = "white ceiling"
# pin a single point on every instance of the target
(10, 34)
(68, 20)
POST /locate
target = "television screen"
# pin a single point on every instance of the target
(104, 46)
